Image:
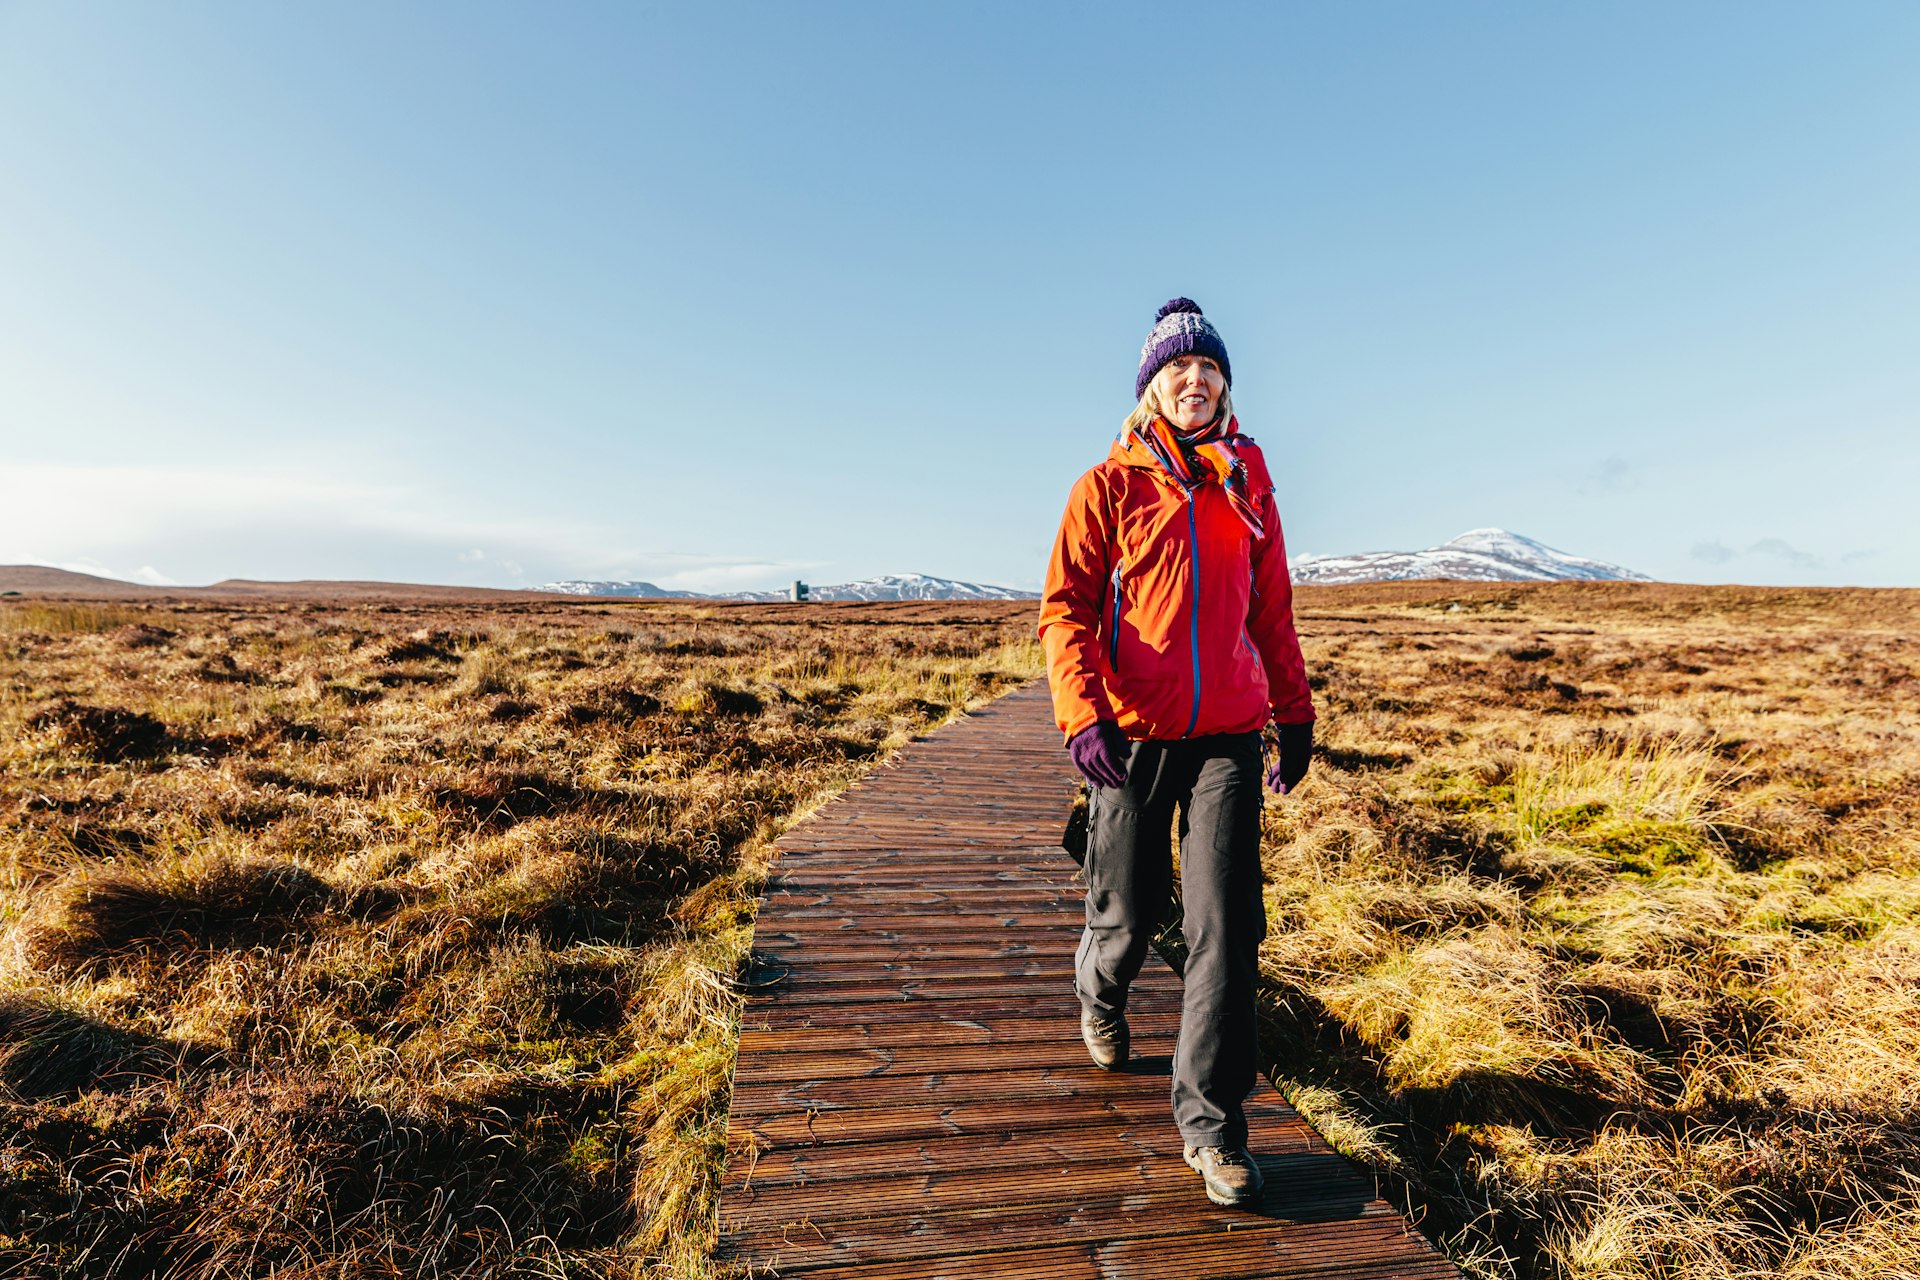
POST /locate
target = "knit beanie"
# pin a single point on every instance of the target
(1180, 330)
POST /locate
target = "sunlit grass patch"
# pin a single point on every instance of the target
(1647, 803)
(1622, 978)
(1336, 1117)
(47, 617)
(1481, 1011)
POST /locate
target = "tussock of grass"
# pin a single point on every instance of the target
(201, 901)
(1341, 1122)
(29, 617)
(47, 1051)
(112, 734)
(1642, 801)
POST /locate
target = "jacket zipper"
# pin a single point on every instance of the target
(1113, 626)
(1193, 549)
(1246, 634)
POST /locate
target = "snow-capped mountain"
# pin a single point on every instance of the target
(892, 586)
(900, 586)
(640, 590)
(1479, 555)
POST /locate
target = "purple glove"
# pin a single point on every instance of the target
(1099, 752)
(1295, 751)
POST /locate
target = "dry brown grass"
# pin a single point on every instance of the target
(404, 940)
(1597, 926)
(383, 939)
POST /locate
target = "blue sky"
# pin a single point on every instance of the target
(724, 295)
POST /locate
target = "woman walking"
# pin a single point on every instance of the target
(1168, 626)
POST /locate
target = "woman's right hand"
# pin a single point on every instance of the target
(1100, 753)
(1296, 752)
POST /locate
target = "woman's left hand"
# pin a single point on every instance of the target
(1296, 752)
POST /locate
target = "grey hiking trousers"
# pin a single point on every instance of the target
(1214, 783)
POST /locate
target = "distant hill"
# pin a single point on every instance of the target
(1479, 555)
(34, 579)
(41, 579)
(38, 579)
(330, 589)
(892, 586)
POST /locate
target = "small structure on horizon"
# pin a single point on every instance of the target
(798, 591)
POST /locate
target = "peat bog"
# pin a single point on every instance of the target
(348, 939)
(382, 938)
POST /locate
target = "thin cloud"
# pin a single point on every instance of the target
(1612, 474)
(1782, 550)
(206, 523)
(1715, 552)
(91, 518)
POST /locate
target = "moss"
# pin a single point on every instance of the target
(1593, 980)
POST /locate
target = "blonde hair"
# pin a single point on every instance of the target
(1150, 407)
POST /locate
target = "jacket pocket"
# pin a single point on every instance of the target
(1117, 591)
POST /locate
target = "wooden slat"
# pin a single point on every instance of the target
(894, 1062)
(1177, 1210)
(771, 1013)
(791, 1166)
(820, 1128)
(853, 1037)
(912, 1098)
(772, 947)
(1373, 1250)
(1072, 1170)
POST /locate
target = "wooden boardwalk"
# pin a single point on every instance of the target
(912, 1098)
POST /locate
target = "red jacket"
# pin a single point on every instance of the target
(1163, 612)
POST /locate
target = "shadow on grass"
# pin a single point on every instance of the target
(273, 1176)
(49, 1052)
(95, 919)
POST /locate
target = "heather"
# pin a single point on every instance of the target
(362, 940)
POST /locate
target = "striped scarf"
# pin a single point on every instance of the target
(1211, 453)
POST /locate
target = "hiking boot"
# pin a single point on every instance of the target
(1106, 1037)
(1231, 1176)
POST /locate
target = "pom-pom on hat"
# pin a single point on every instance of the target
(1180, 330)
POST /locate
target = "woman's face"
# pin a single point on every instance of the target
(1189, 388)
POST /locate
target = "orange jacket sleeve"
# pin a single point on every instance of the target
(1070, 605)
(1270, 624)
